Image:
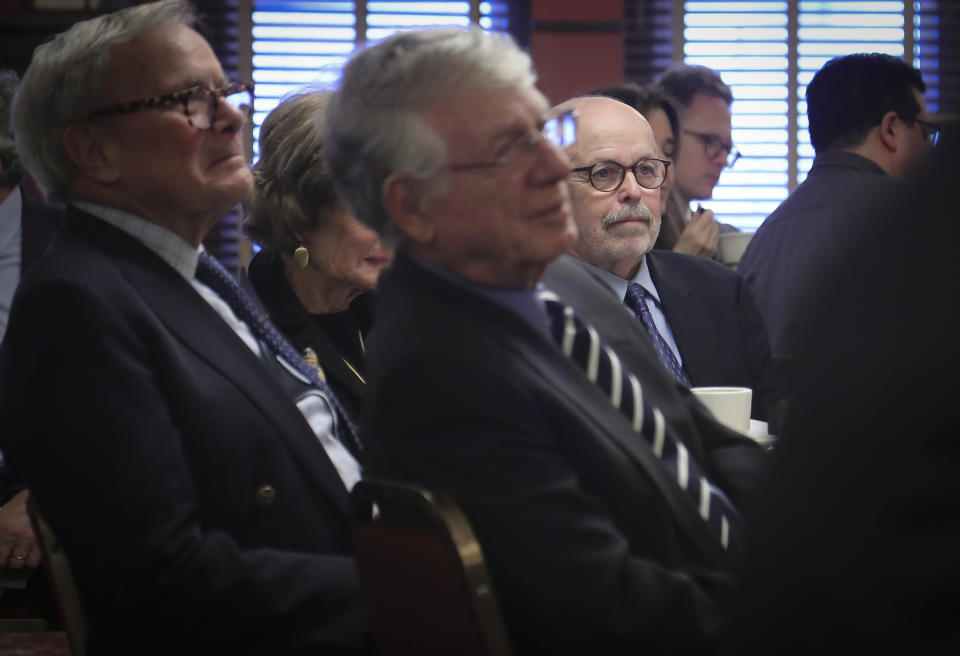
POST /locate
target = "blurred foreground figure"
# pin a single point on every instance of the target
(598, 498)
(194, 470)
(854, 548)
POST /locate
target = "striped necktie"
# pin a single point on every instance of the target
(213, 275)
(636, 300)
(581, 343)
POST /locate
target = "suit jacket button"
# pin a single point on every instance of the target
(266, 495)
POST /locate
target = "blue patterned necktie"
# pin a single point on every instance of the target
(636, 300)
(581, 343)
(214, 276)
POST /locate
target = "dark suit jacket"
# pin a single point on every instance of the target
(592, 546)
(813, 230)
(714, 321)
(299, 327)
(854, 550)
(199, 511)
(38, 223)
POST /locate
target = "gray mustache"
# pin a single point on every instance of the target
(628, 212)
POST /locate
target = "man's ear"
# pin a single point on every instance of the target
(404, 199)
(90, 152)
(890, 125)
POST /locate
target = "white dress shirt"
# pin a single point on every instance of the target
(619, 287)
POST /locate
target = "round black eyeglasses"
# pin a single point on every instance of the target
(714, 145)
(608, 176)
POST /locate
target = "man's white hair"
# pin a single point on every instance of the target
(374, 122)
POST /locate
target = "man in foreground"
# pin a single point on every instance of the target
(147, 407)
(567, 471)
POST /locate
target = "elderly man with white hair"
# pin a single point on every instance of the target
(194, 469)
(603, 497)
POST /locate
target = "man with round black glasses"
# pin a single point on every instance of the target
(700, 318)
(195, 471)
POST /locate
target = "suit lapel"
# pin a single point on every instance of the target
(595, 302)
(202, 330)
(686, 318)
(199, 328)
(551, 369)
(609, 424)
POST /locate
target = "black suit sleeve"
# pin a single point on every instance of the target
(763, 369)
(530, 479)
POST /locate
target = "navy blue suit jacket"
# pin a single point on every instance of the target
(717, 327)
(591, 545)
(196, 505)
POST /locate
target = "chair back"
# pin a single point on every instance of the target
(60, 576)
(423, 574)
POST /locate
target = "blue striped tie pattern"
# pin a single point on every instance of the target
(636, 300)
(213, 275)
(581, 343)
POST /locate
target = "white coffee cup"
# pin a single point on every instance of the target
(729, 405)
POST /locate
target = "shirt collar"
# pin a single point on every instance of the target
(619, 285)
(522, 302)
(169, 246)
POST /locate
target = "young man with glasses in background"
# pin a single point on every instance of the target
(705, 149)
(870, 129)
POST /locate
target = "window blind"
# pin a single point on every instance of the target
(307, 42)
(747, 43)
(829, 29)
(767, 52)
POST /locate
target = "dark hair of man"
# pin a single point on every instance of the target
(643, 99)
(683, 81)
(849, 96)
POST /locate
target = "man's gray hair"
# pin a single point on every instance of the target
(61, 86)
(12, 170)
(374, 122)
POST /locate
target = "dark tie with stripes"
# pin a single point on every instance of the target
(581, 343)
(214, 276)
(636, 300)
